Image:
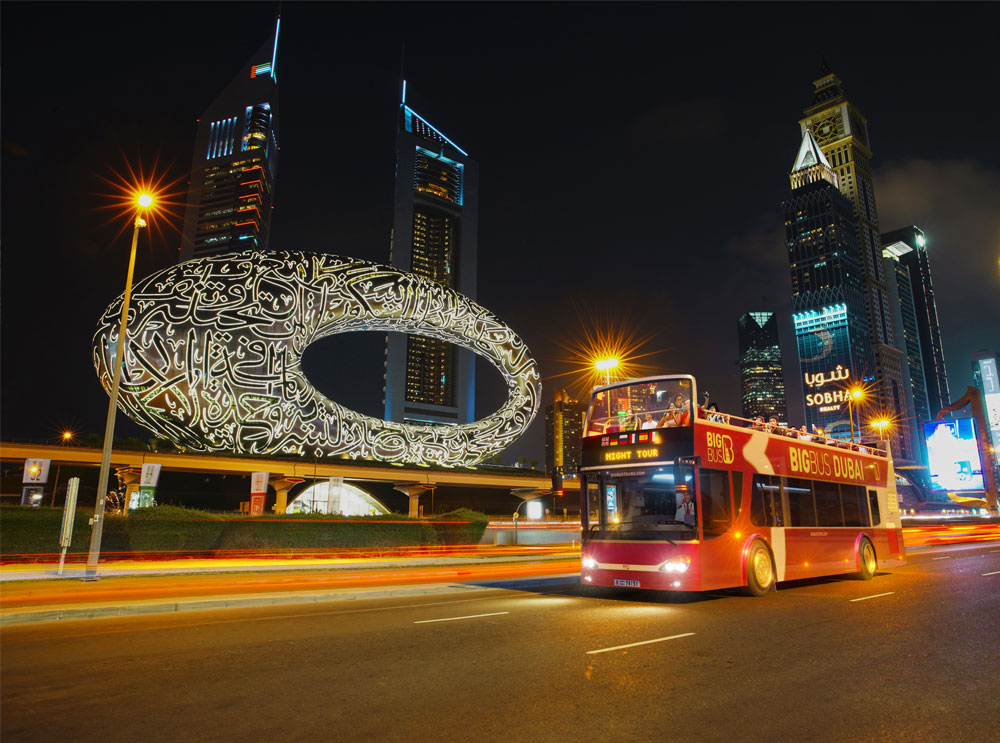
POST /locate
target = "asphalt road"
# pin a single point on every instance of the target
(910, 656)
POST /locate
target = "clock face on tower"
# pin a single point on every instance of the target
(828, 128)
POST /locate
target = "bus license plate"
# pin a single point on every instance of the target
(626, 583)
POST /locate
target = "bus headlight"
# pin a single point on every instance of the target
(588, 562)
(676, 565)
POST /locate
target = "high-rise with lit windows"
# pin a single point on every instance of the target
(761, 374)
(909, 247)
(841, 132)
(829, 311)
(434, 235)
(231, 193)
(563, 433)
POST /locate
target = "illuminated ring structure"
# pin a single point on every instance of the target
(214, 350)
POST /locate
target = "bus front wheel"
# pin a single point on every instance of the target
(868, 561)
(760, 570)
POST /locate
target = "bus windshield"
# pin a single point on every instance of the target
(657, 505)
(634, 406)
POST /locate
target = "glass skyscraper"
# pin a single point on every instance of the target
(908, 340)
(434, 235)
(563, 433)
(841, 132)
(761, 374)
(231, 194)
(909, 246)
(830, 315)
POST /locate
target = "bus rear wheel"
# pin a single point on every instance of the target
(760, 570)
(868, 561)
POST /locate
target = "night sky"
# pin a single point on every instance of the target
(633, 160)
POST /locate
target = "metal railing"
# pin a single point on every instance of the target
(868, 447)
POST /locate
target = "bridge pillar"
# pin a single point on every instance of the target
(413, 490)
(281, 487)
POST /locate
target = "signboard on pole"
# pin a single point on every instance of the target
(31, 495)
(69, 512)
(146, 495)
(258, 492)
(333, 493)
(36, 471)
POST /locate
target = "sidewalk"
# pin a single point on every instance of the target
(35, 595)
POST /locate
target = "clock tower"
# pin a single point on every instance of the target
(841, 132)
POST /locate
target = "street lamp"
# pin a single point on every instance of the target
(606, 365)
(854, 396)
(143, 202)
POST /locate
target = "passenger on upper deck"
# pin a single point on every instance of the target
(667, 421)
(648, 422)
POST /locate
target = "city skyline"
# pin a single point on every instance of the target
(568, 205)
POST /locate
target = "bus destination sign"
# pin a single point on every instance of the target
(633, 447)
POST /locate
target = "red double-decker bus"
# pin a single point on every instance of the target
(678, 499)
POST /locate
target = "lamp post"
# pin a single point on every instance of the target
(882, 425)
(606, 365)
(854, 395)
(143, 202)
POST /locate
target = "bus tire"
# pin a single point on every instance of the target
(866, 556)
(760, 570)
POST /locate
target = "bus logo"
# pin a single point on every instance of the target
(720, 448)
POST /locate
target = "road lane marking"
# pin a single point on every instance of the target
(877, 595)
(470, 616)
(995, 572)
(994, 550)
(941, 558)
(635, 644)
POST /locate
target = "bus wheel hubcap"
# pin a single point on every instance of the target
(762, 568)
(869, 558)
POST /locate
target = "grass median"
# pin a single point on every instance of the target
(33, 533)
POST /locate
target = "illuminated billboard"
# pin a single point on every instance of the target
(953, 455)
(990, 385)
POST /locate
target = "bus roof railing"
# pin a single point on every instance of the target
(758, 424)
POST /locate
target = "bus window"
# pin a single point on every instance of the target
(713, 489)
(765, 501)
(738, 492)
(853, 497)
(873, 502)
(801, 509)
(593, 503)
(828, 511)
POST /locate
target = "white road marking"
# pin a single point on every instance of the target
(877, 595)
(994, 550)
(471, 616)
(941, 558)
(995, 572)
(634, 644)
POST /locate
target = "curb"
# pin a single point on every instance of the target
(236, 602)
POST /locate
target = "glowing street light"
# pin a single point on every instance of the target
(143, 202)
(854, 396)
(606, 365)
(67, 436)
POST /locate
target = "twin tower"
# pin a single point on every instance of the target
(434, 228)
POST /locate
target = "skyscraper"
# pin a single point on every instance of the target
(909, 246)
(761, 373)
(908, 340)
(434, 235)
(563, 433)
(832, 331)
(231, 193)
(841, 131)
